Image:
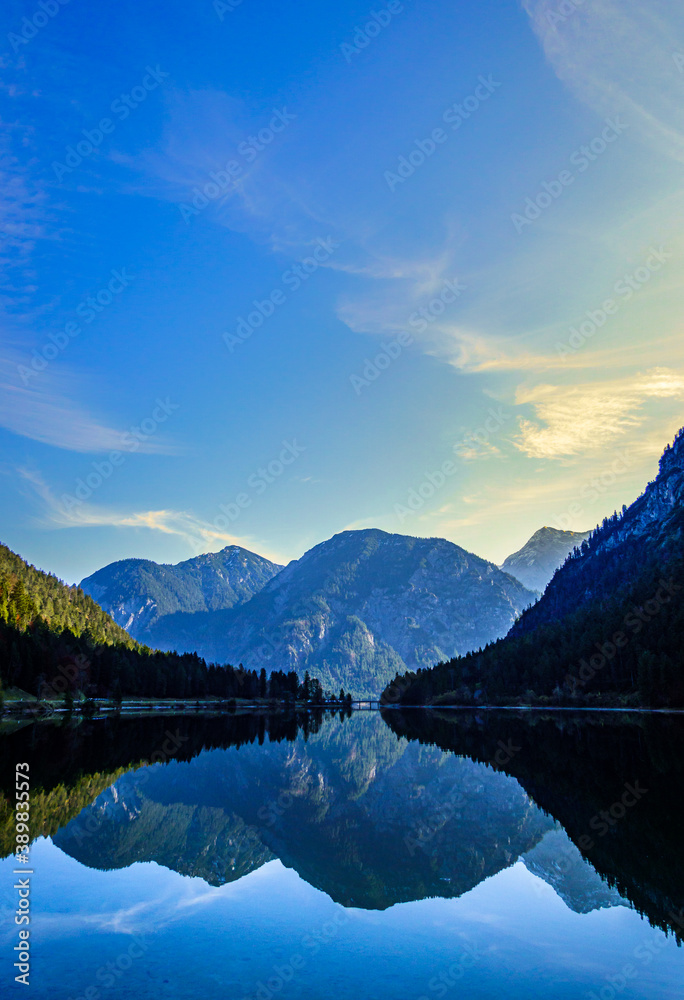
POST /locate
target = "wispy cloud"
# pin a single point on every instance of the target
(23, 218)
(578, 419)
(204, 131)
(474, 451)
(198, 534)
(478, 353)
(621, 56)
(45, 410)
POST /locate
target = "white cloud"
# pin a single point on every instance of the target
(204, 130)
(23, 217)
(576, 419)
(621, 56)
(471, 450)
(44, 409)
(200, 535)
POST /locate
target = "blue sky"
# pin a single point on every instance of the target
(220, 226)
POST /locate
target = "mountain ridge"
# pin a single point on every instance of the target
(358, 607)
(536, 562)
(55, 640)
(138, 592)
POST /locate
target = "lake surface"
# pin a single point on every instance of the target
(412, 857)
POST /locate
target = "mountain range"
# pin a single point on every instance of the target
(366, 605)
(56, 640)
(138, 592)
(368, 819)
(353, 610)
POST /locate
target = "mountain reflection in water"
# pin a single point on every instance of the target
(373, 813)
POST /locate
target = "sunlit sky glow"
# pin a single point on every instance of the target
(349, 259)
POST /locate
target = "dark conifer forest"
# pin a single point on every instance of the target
(55, 640)
(609, 629)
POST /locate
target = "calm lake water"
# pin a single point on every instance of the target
(418, 857)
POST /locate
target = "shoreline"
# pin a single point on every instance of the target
(534, 708)
(42, 711)
(105, 708)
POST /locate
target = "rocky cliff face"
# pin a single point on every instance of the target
(649, 516)
(138, 593)
(358, 608)
(536, 562)
(648, 532)
(557, 861)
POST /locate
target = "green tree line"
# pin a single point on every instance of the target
(55, 640)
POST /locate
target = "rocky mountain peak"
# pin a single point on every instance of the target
(536, 562)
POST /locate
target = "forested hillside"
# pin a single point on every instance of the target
(55, 639)
(30, 597)
(609, 628)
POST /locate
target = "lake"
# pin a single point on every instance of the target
(408, 855)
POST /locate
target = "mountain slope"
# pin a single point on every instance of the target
(138, 592)
(55, 638)
(536, 562)
(557, 861)
(357, 608)
(648, 533)
(609, 627)
(27, 593)
(370, 820)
